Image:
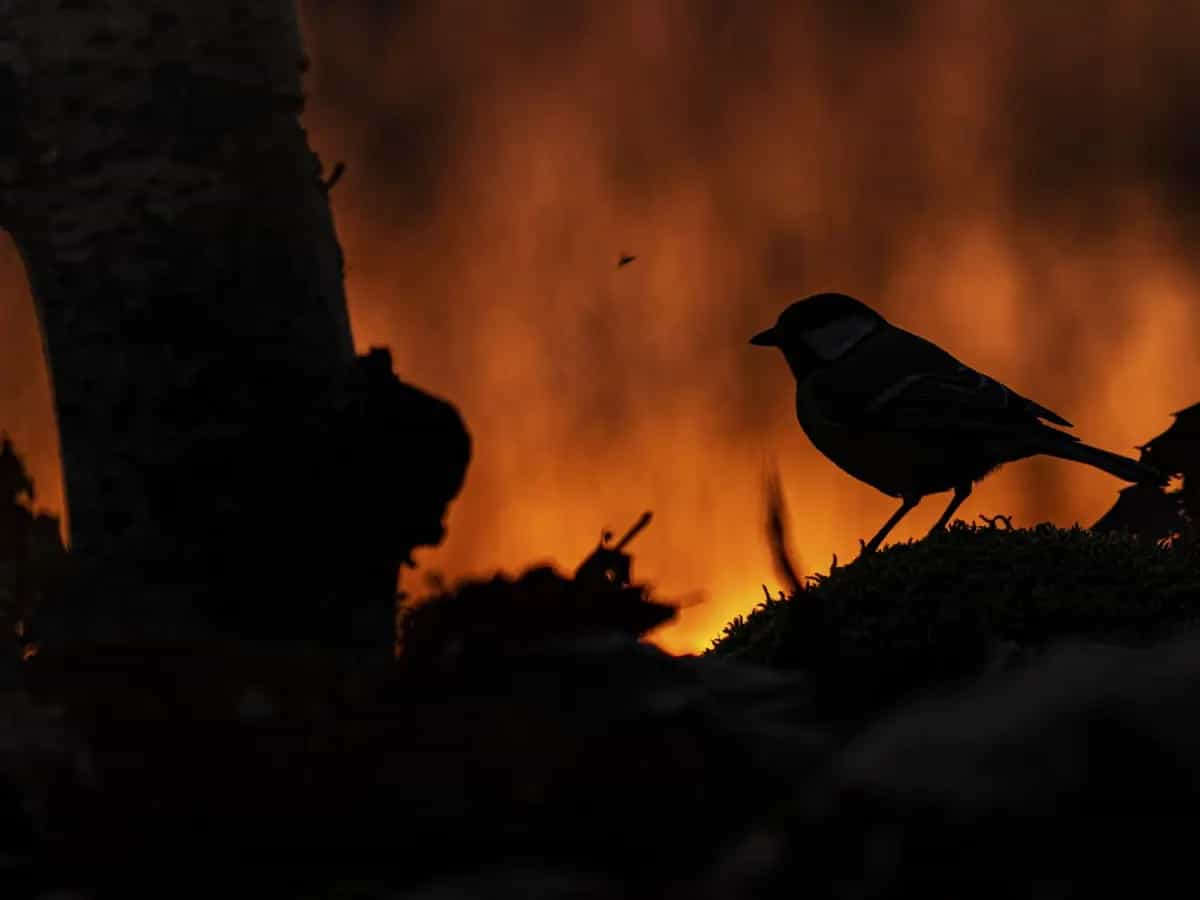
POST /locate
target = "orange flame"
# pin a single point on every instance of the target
(990, 175)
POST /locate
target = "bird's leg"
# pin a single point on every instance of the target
(961, 493)
(905, 508)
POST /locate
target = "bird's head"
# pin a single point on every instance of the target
(818, 330)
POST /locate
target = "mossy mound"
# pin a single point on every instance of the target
(932, 612)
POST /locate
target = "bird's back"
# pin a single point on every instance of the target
(906, 417)
(899, 379)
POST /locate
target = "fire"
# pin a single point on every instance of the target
(1014, 187)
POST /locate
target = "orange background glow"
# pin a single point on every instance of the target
(1018, 181)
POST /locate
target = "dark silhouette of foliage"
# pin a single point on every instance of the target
(611, 564)
(1162, 513)
(507, 616)
(33, 561)
(1176, 450)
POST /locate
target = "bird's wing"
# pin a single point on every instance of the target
(919, 385)
(963, 400)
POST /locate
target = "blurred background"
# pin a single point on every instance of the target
(1018, 181)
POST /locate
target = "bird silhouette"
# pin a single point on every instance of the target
(625, 260)
(901, 414)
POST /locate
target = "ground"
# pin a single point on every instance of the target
(1017, 683)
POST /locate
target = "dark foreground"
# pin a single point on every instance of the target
(1048, 762)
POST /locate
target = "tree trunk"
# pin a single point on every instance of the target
(177, 236)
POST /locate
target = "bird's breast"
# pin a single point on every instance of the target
(809, 409)
(895, 462)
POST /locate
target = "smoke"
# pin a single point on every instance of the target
(1019, 181)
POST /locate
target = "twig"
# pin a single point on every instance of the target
(634, 531)
(991, 522)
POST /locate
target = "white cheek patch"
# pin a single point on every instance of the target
(834, 339)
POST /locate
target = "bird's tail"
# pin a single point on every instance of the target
(1113, 463)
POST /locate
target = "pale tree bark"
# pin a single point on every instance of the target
(178, 240)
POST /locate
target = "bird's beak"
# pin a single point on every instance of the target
(765, 339)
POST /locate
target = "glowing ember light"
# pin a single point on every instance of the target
(991, 176)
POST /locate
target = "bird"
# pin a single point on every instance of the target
(901, 414)
(625, 260)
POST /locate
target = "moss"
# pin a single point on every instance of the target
(928, 613)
